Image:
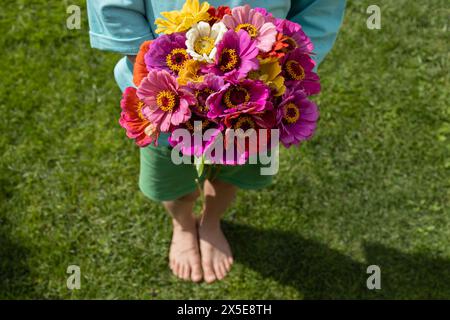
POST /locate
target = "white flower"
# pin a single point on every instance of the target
(202, 40)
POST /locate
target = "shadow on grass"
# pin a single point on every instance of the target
(318, 272)
(14, 271)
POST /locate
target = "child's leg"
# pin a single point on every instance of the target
(161, 180)
(215, 251)
(184, 253)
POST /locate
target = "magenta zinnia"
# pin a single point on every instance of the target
(203, 90)
(245, 95)
(168, 52)
(167, 104)
(298, 69)
(239, 125)
(297, 117)
(294, 37)
(236, 56)
(196, 125)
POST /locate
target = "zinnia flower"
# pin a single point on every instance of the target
(294, 36)
(202, 40)
(134, 122)
(216, 14)
(266, 14)
(236, 56)
(256, 24)
(203, 90)
(242, 134)
(279, 48)
(298, 68)
(191, 72)
(167, 52)
(297, 117)
(140, 70)
(179, 21)
(167, 104)
(190, 145)
(246, 95)
(270, 73)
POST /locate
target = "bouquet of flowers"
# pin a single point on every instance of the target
(214, 71)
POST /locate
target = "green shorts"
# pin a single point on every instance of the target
(162, 180)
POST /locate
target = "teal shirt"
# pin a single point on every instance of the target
(122, 25)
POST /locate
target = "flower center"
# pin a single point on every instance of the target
(139, 108)
(229, 60)
(176, 58)
(204, 45)
(292, 44)
(295, 70)
(202, 96)
(236, 96)
(245, 123)
(251, 29)
(167, 100)
(291, 113)
(190, 72)
(190, 124)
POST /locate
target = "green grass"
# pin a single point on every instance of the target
(370, 188)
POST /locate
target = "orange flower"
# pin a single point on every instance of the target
(279, 48)
(140, 69)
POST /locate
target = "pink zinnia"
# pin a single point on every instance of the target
(236, 56)
(167, 104)
(258, 26)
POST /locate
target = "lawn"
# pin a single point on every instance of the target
(372, 187)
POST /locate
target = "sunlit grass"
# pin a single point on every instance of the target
(370, 188)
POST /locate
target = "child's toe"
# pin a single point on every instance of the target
(220, 271)
(196, 273)
(178, 270)
(208, 271)
(186, 272)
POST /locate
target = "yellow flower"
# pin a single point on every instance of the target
(179, 21)
(270, 73)
(190, 72)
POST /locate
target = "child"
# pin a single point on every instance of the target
(198, 251)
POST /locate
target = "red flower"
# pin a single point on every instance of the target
(132, 119)
(216, 14)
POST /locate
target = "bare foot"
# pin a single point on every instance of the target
(215, 252)
(184, 254)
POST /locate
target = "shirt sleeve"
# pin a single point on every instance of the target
(321, 20)
(118, 25)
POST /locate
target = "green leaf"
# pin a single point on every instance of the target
(200, 165)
